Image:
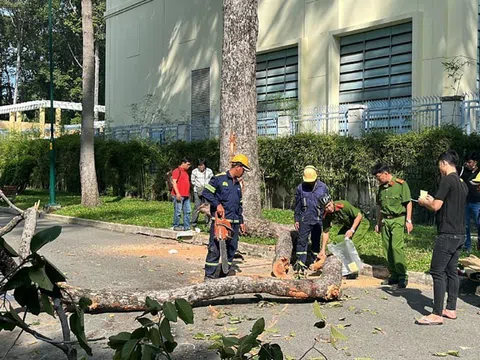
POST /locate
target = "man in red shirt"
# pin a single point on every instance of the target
(181, 195)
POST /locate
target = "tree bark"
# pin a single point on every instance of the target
(18, 69)
(88, 176)
(238, 95)
(326, 287)
(97, 78)
(30, 216)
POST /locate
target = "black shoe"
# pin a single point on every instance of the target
(208, 278)
(402, 284)
(351, 276)
(389, 282)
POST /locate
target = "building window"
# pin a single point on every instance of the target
(376, 65)
(200, 105)
(277, 79)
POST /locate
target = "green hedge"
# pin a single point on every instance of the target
(138, 168)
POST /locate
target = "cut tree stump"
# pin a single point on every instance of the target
(286, 236)
(326, 287)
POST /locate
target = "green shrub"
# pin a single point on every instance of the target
(138, 167)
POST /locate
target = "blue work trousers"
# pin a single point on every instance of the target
(212, 262)
(304, 231)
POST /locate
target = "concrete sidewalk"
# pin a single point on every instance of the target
(379, 322)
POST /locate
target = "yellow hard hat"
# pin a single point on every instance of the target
(309, 174)
(242, 159)
(476, 181)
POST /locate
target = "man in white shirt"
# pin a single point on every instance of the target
(200, 177)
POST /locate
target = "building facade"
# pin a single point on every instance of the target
(164, 56)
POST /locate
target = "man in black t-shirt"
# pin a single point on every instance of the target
(449, 203)
(472, 210)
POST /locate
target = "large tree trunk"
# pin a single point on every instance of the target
(97, 78)
(88, 176)
(238, 123)
(238, 95)
(326, 287)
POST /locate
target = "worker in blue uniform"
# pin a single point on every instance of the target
(224, 193)
(308, 216)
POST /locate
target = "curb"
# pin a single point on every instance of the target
(263, 251)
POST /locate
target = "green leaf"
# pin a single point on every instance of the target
(270, 352)
(8, 249)
(166, 330)
(4, 325)
(170, 311)
(84, 303)
(335, 335)
(16, 317)
(47, 305)
(54, 274)
(200, 336)
(247, 344)
(139, 333)
(129, 348)
(149, 352)
(152, 304)
(43, 237)
(229, 341)
(117, 341)
(317, 311)
(39, 276)
(453, 353)
(185, 311)
(145, 322)
(440, 354)
(154, 336)
(78, 328)
(28, 296)
(19, 279)
(169, 346)
(258, 327)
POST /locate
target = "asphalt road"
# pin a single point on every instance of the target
(378, 321)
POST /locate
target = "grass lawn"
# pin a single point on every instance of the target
(418, 246)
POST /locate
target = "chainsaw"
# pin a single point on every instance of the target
(222, 231)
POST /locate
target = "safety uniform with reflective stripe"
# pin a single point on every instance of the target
(223, 189)
(309, 213)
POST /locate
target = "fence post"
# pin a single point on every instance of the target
(452, 111)
(355, 120)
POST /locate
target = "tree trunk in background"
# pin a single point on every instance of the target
(238, 95)
(88, 176)
(97, 78)
(18, 70)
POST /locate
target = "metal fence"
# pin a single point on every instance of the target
(395, 115)
(323, 119)
(470, 112)
(402, 115)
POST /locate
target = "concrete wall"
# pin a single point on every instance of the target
(153, 45)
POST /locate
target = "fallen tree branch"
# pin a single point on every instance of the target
(325, 287)
(7, 264)
(9, 203)
(30, 215)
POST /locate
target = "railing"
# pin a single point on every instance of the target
(470, 112)
(324, 119)
(402, 115)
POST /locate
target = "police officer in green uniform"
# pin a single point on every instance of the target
(394, 214)
(353, 224)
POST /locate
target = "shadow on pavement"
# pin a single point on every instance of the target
(415, 299)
